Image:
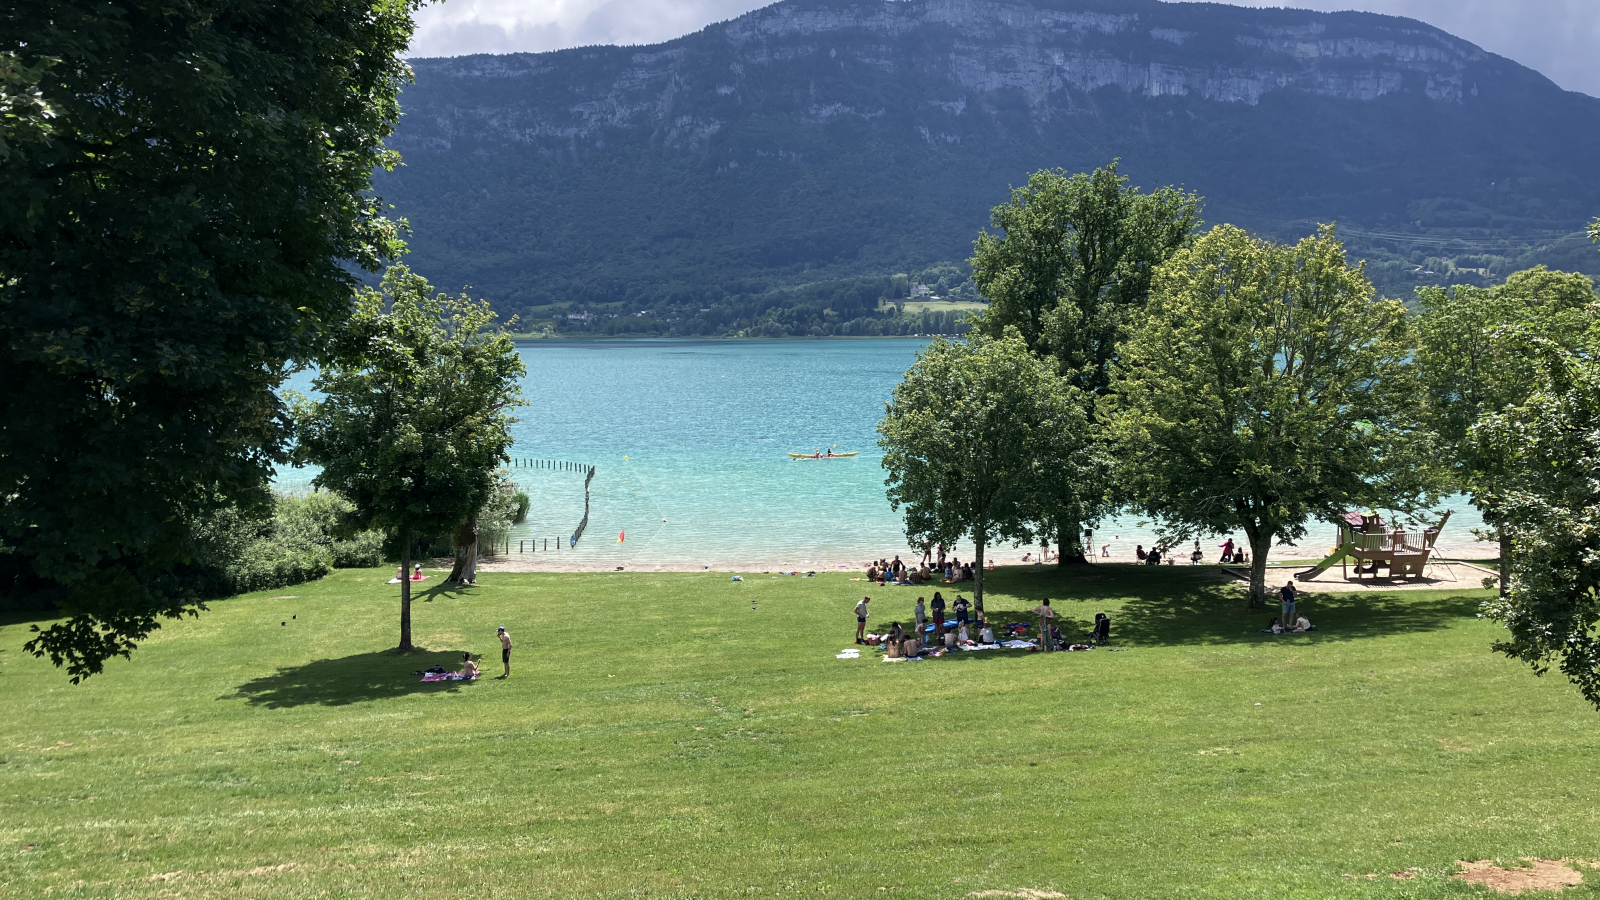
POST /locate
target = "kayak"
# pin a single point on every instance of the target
(823, 456)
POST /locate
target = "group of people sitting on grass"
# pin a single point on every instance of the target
(951, 571)
(1232, 554)
(969, 629)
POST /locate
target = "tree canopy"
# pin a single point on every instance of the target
(415, 415)
(1068, 266)
(1549, 504)
(1472, 361)
(1251, 392)
(183, 195)
(972, 437)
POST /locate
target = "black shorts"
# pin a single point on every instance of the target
(505, 654)
(861, 619)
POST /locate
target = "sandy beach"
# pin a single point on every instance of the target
(1458, 571)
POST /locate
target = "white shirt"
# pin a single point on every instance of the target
(861, 609)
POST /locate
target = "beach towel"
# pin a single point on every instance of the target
(446, 676)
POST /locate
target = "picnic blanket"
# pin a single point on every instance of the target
(447, 676)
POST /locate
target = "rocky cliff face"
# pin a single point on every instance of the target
(819, 139)
(960, 52)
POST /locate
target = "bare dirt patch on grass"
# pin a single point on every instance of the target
(1541, 875)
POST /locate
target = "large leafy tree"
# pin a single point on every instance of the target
(1068, 265)
(971, 439)
(184, 190)
(1548, 500)
(415, 413)
(1472, 362)
(1252, 392)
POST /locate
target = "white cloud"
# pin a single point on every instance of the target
(459, 27)
(1558, 37)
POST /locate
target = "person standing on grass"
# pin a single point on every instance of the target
(861, 620)
(938, 617)
(921, 614)
(505, 650)
(1045, 614)
(1286, 599)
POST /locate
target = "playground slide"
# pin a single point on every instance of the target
(1319, 568)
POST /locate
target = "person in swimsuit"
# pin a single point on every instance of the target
(505, 650)
(469, 669)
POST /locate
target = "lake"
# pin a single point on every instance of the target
(689, 442)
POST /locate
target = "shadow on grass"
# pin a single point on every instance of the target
(350, 679)
(449, 590)
(1181, 605)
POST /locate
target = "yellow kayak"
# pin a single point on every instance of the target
(823, 455)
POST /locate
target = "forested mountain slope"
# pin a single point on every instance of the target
(827, 144)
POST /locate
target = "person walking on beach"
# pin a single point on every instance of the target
(505, 650)
(861, 620)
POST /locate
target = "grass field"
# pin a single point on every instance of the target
(684, 735)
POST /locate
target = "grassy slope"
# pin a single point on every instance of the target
(683, 734)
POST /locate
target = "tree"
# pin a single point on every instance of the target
(1549, 502)
(1472, 361)
(971, 437)
(415, 414)
(1251, 392)
(184, 194)
(1072, 262)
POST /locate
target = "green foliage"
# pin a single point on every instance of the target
(1548, 503)
(842, 308)
(973, 437)
(520, 513)
(1472, 361)
(185, 192)
(1072, 262)
(1251, 393)
(1070, 265)
(302, 541)
(415, 413)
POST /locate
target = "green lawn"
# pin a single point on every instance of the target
(678, 735)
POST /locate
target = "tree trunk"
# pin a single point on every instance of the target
(465, 541)
(405, 595)
(1260, 546)
(1505, 561)
(1070, 537)
(978, 540)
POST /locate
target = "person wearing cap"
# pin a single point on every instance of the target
(861, 620)
(505, 650)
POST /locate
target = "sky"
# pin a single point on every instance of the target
(1560, 38)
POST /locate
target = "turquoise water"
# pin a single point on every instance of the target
(688, 440)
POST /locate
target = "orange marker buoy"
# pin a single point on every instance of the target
(622, 535)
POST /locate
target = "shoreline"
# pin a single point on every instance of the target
(836, 566)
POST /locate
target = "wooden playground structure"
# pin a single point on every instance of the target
(1370, 544)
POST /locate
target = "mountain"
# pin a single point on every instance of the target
(774, 171)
